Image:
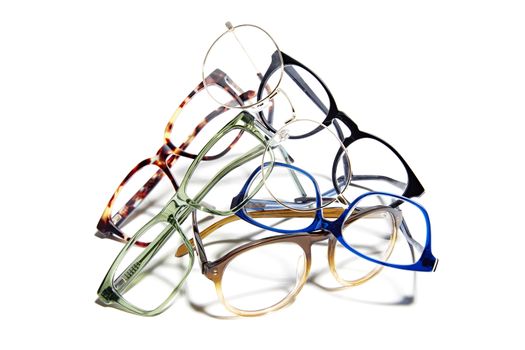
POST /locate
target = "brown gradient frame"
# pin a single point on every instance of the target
(214, 270)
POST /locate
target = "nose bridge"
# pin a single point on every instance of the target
(330, 226)
(174, 211)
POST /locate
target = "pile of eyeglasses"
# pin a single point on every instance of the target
(260, 147)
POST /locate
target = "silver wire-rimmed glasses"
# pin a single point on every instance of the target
(243, 52)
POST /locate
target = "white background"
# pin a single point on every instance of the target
(87, 88)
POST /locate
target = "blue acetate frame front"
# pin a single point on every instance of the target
(426, 263)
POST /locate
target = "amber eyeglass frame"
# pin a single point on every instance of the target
(166, 156)
(214, 270)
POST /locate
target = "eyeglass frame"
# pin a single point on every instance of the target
(174, 213)
(426, 262)
(165, 157)
(414, 188)
(214, 270)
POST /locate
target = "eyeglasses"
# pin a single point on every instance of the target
(267, 274)
(243, 51)
(134, 282)
(374, 161)
(413, 253)
(145, 281)
(255, 284)
(150, 183)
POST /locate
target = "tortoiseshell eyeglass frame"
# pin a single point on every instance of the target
(413, 187)
(214, 270)
(168, 153)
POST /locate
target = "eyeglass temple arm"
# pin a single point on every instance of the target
(303, 85)
(135, 201)
(328, 195)
(399, 184)
(246, 157)
(150, 184)
(275, 214)
(403, 226)
(332, 213)
(261, 204)
(289, 160)
(199, 247)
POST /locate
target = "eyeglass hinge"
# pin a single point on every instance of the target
(108, 295)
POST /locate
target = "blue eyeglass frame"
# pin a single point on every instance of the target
(426, 263)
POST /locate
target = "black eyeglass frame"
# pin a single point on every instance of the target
(413, 188)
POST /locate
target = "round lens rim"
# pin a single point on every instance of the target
(257, 103)
(267, 176)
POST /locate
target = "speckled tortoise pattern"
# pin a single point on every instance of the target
(168, 153)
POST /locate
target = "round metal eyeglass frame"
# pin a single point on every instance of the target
(271, 91)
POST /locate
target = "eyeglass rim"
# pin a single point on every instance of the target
(109, 294)
(244, 121)
(167, 154)
(341, 151)
(214, 270)
(259, 101)
(426, 263)
(414, 187)
(174, 206)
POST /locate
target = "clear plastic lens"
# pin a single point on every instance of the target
(213, 184)
(397, 237)
(149, 283)
(200, 119)
(141, 198)
(303, 91)
(376, 167)
(243, 54)
(373, 235)
(351, 268)
(314, 154)
(263, 276)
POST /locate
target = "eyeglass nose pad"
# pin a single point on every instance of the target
(261, 105)
(281, 136)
